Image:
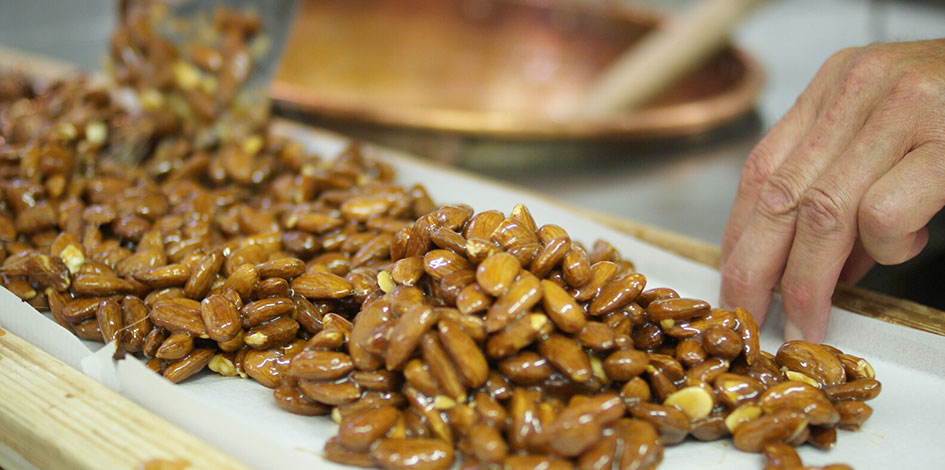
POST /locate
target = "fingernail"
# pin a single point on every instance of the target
(791, 331)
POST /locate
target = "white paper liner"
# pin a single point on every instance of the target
(241, 418)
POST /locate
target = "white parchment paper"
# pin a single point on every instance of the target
(240, 417)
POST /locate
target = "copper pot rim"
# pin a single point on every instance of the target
(687, 118)
(681, 118)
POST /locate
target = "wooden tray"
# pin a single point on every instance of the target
(490, 68)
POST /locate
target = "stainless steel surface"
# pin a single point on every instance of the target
(276, 16)
(75, 31)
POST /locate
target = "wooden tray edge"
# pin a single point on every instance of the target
(53, 416)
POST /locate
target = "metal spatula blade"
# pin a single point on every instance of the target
(187, 23)
(185, 18)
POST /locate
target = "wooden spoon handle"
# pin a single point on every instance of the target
(675, 48)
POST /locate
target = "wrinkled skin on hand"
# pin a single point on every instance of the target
(849, 176)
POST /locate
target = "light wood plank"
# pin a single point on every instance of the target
(34, 65)
(55, 417)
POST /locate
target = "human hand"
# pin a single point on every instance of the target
(850, 175)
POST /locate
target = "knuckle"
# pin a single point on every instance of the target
(838, 60)
(874, 57)
(877, 218)
(832, 117)
(881, 231)
(823, 212)
(844, 54)
(779, 196)
(852, 83)
(918, 87)
(871, 63)
(755, 171)
(805, 104)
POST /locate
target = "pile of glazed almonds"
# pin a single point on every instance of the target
(421, 330)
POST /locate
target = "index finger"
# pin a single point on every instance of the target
(759, 256)
(775, 147)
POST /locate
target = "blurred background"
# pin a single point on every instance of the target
(684, 183)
